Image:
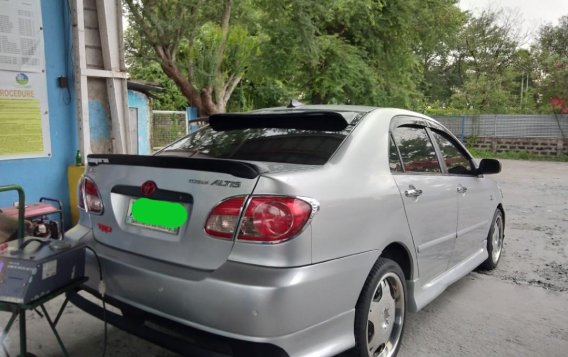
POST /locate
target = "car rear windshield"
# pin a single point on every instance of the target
(296, 146)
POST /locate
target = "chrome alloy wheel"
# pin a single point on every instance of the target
(386, 317)
(497, 238)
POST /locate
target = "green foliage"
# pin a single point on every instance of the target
(554, 39)
(204, 47)
(552, 58)
(339, 74)
(553, 83)
(437, 108)
(516, 155)
(487, 94)
(167, 128)
(169, 98)
(425, 55)
(483, 57)
(340, 51)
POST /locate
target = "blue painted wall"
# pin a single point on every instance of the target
(100, 127)
(48, 176)
(141, 102)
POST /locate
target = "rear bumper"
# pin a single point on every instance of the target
(176, 337)
(305, 311)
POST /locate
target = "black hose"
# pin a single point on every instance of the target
(102, 298)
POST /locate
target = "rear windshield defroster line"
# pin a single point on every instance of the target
(309, 120)
(235, 168)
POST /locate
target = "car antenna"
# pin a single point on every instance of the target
(294, 103)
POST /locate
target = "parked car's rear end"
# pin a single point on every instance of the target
(288, 231)
(241, 264)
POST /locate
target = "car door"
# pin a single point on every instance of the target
(474, 211)
(430, 200)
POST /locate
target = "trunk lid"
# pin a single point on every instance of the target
(196, 184)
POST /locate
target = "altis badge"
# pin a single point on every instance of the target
(220, 183)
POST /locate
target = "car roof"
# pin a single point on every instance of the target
(349, 111)
(343, 108)
(331, 107)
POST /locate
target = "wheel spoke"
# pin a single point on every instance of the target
(497, 240)
(381, 316)
(374, 345)
(374, 314)
(385, 316)
(387, 295)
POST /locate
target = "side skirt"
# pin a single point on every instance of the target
(421, 294)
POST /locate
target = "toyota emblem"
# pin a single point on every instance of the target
(148, 188)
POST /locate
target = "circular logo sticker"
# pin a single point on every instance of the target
(148, 188)
(22, 79)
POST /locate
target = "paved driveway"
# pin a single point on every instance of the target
(521, 308)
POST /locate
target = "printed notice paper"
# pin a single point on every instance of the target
(24, 121)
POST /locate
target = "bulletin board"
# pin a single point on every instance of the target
(24, 117)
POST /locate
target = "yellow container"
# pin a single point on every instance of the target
(74, 173)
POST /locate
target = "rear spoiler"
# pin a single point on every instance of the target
(303, 120)
(235, 168)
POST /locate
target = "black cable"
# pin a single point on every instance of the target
(102, 298)
(40, 241)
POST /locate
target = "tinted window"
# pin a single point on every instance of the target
(394, 160)
(273, 145)
(416, 150)
(456, 162)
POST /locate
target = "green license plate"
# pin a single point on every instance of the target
(155, 223)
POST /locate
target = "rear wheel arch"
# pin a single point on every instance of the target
(495, 238)
(500, 208)
(398, 253)
(380, 312)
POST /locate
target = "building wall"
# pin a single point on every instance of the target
(141, 103)
(48, 176)
(100, 122)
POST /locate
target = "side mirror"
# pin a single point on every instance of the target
(489, 166)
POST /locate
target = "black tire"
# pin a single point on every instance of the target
(495, 240)
(389, 311)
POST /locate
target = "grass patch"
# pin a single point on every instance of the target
(516, 155)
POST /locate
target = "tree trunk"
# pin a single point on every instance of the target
(208, 105)
(183, 84)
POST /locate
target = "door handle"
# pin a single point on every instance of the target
(412, 192)
(461, 189)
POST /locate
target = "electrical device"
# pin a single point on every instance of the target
(32, 267)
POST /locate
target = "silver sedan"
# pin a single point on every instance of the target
(301, 231)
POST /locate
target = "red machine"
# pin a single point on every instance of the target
(39, 214)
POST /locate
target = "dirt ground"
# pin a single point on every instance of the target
(520, 309)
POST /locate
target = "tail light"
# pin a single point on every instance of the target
(88, 197)
(224, 218)
(266, 219)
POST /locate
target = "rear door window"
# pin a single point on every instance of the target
(416, 150)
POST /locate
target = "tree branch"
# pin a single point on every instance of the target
(138, 19)
(183, 83)
(230, 87)
(225, 36)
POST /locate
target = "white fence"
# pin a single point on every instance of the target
(507, 126)
(166, 127)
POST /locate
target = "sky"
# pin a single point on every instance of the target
(534, 13)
